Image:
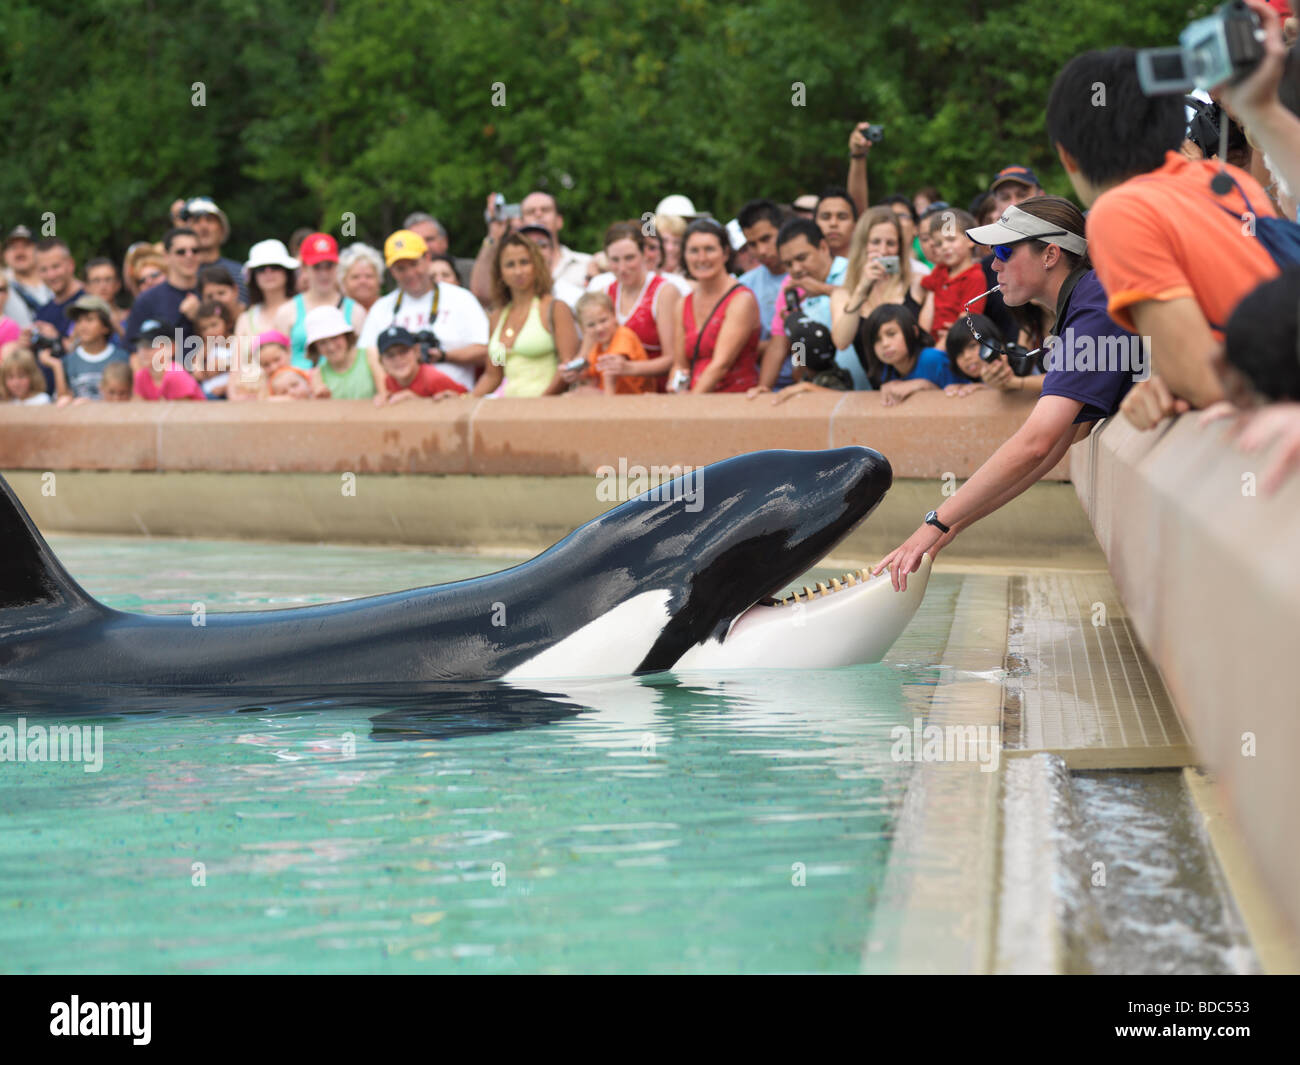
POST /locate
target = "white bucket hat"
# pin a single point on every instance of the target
(325, 322)
(269, 253)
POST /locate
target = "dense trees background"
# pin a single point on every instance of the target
(377, 107)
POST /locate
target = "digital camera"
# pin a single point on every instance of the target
(1224, 46)
(427, 341)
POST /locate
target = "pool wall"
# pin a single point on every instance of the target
(507, 474)
(1209, 570)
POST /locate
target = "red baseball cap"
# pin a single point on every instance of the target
(319, 248)
(1282, 7)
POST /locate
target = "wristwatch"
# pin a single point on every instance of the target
(933, 519)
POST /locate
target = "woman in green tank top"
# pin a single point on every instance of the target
(340, 371)
(532, 332)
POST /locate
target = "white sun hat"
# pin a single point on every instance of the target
(325, 322)
(270, 253)
(678, 205)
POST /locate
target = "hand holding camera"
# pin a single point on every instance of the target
(864, 135)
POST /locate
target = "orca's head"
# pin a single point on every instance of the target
(720, 540)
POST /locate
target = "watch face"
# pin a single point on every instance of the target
(932, 516)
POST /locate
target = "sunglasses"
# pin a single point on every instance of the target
(1021, 360)
(1003, 252)
(146, 279)
(185, 251)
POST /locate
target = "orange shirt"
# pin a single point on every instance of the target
(1161, 236)
(623, 342)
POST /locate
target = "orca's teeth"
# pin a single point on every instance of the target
(808, 592)
(835, 584)
(850, 579)
(822, 588)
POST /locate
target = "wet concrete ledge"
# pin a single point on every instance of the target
(1210, 574)
(927, 436)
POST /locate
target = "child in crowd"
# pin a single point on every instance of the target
(956, 278)
(215, 283)
(964, 353)
(115, 384)
(157, 377)
(84, 365)
(266, 354)
(339, 369)
(216, 324)
(603, 339)
(894, 336)
(289, 382)
(21, 380)
(405, 377)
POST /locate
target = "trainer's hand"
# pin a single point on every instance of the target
(907, 559)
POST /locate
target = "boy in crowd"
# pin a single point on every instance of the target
(92, 328)
(405, 377)
(955, 280)
(1174, 256)
(115, 384)
(760, 222)
(602, 336)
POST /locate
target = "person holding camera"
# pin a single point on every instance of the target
(877, 274)
(446, 320)
(1040, 256)
(814, 274)
(862, 137)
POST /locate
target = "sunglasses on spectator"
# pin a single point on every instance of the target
(185, 251)
(1003, 252)
(1021, 360)
(149, 278)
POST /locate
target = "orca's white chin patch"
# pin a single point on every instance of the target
(853, 621)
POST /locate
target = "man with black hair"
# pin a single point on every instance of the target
(813, 274)
(1174, 256)
(176, 299)
(760, 221)
(835, 215)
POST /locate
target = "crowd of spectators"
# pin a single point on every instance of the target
(829, 291)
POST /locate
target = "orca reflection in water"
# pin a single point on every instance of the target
(654, 584)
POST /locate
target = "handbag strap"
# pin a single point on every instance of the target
(700, 335)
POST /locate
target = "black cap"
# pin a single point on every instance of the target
(151, 329)
(393, 336)
(534, 227)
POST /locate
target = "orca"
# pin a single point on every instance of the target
(680, 578)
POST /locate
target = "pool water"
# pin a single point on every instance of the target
(736, 824)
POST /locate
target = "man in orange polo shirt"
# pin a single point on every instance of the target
(1174, 257)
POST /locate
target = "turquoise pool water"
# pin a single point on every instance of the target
(736, 825)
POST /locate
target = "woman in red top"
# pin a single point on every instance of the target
(720, 318)
(644, 302)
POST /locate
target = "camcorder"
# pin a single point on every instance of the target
(502, 211)
(1224, 46)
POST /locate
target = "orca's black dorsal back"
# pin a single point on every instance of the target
(30, 575)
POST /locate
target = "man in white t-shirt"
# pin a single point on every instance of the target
(458, 321)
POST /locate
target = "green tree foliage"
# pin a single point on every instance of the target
(371, 108)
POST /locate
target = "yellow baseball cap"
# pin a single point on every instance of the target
(403, 245)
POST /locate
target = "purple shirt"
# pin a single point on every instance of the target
(1091, 359)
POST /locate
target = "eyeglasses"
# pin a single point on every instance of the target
(1021, 360)
(1004, 251)
(150, 278)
